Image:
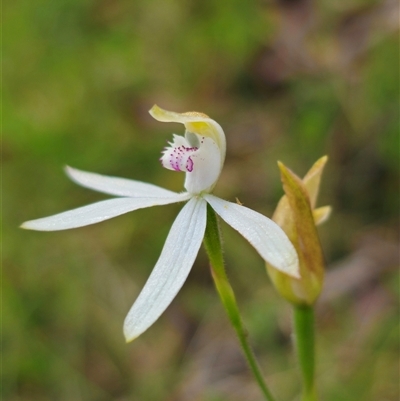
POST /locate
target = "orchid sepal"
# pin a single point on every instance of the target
(264, 235)
(171, 270)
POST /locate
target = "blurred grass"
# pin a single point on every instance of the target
(288, 80)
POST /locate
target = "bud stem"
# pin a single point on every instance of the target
(212, 243)
(304, 343)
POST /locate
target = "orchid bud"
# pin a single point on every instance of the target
(297, 216)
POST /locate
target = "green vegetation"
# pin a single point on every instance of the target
(287, 80)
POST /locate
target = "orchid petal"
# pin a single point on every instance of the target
(178, 155)
(98, 212)
(117, 186)
(172, 268)
(266, 236)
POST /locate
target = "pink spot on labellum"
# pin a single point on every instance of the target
(178, 157)
(189, 164)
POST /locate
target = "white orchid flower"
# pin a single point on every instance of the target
(200, 154)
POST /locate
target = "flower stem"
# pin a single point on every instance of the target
(304, 343)
(212, 243)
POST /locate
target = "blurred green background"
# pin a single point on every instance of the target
(288, 80)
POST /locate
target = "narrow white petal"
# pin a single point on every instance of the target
(172, 268)
(115, 185)
(267, 237)
(97, 212)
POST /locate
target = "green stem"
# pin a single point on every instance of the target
(304, 343)
(212, 243)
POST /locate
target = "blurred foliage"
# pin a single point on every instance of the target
(290, 80)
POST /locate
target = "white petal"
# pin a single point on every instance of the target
(267, 237)
(172, 268)
(115, 185)
(97, 212)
